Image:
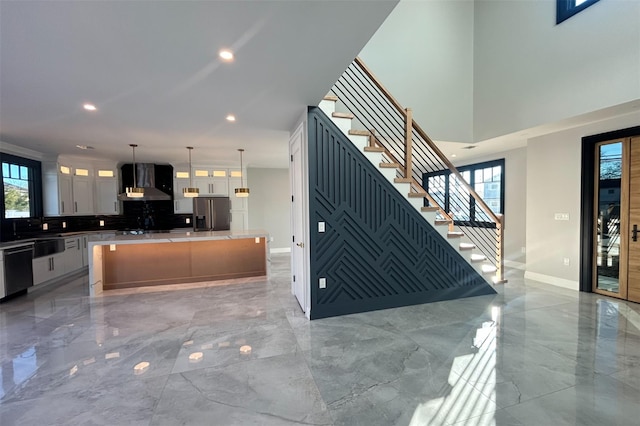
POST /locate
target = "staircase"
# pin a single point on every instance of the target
(402, 152)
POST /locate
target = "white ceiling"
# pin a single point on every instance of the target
(152, 70)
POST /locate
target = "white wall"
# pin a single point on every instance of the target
(476, 70)
(530, 71)
(423, 54)
(515, 212)
(553, 186)
(270, 203)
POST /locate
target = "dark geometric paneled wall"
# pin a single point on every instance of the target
(377, 250)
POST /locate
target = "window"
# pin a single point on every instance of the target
(565, 9)
(487, 179)
(22, 184)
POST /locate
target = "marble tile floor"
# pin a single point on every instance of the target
(243, 354)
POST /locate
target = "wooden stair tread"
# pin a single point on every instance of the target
(442, 222)
(373, 149)
(402, 180)
(455, 234)
(466, 246)
(389, 165)
(343, 115)
(429, 209)
(330, 98)
(360, 132)
(417, 194)
(488, 269)
(476, 258)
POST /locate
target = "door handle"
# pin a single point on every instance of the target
(301, 245)
(634, 233)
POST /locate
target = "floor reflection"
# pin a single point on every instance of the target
(531, 355)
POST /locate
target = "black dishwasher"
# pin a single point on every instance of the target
(18, 269)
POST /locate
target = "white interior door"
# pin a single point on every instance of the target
(299, 280)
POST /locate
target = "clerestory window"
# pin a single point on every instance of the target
(565, 9)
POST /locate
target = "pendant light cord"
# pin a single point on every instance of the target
(241, 172)
(133, 146)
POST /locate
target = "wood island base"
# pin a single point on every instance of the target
(138, 262)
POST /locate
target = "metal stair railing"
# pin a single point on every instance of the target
(392, 127)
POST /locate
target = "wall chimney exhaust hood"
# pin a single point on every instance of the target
(145, 178)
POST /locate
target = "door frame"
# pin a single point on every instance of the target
(587, 201)
(302, 276)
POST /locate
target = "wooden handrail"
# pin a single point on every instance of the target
(427, 140)
(410, 126)
(455, 171)
(415, 184)
(383, 89)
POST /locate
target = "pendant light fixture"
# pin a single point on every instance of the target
(242, 191)
(190, 191)
(133, 191)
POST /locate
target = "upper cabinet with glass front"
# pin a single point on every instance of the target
(106, 183)
(211, 181)
(78, 187)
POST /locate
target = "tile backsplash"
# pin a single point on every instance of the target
(156, 215)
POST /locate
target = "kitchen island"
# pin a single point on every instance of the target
(176, 257)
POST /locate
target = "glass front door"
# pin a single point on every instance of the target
(608, 203)
(617, 219)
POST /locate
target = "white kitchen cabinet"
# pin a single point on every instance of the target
(239, 205)
(83, 195)
(57, 189)
(239, 219)
(182, 204)
(64, 193)
(72, 255)
(47, 268)
(107, 195)
(211, 186)
(84, 240)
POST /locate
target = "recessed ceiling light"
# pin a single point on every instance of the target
(226, 55)
(231, 117)
(84, 147)
(453, 156)
(89, 107)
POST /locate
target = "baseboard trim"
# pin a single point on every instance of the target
(280, 250)
(548, 279)
(515, 265)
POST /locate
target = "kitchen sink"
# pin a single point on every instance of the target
(47, 246)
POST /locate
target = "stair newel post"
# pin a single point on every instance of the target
(408, 128)
(499, 249)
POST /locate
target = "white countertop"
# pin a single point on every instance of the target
(174, 236)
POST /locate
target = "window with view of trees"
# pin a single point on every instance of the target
(487, 180)
(20, 179)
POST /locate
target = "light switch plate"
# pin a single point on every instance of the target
(322, 282)
(320, 226)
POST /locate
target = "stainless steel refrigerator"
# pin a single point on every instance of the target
(211, 214)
